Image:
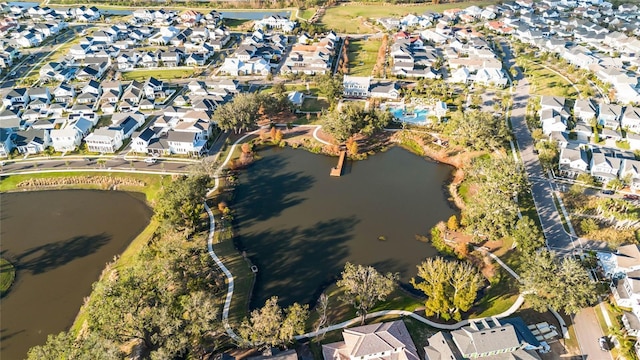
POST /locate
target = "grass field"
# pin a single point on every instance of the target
(7, 275)
(546, 82)
(157, 73)
(362, 56)
(306, 13)
(314, 104)
(341, 18)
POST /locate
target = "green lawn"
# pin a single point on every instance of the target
(307, 13)
(144, 74)
(7, 275)
(362, 56)
(546, 82)
(350, 17)
(314, 104)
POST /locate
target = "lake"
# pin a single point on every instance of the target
(299, 226)
(59, 242)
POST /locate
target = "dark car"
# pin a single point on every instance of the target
(604, 343)
(608, 192)
(631, 197)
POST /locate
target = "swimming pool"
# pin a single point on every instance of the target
(417, 116)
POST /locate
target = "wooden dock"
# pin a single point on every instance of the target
(337, 171)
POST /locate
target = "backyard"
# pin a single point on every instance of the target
(362, 56)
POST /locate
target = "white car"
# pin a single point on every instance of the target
(150, 160)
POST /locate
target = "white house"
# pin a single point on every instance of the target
(105, 140)
(66, 139)
(631, 119)
(605, 166)
(573, 162)
(356, 86)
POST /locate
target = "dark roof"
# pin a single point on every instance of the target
(23, 138)
(180, 136)
(522, 331)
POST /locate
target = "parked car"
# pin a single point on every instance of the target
(604, 343)
(608, 192)
(631, 197)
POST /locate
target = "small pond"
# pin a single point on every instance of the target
(299, 226)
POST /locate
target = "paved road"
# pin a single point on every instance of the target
(588, 332)
(92, 163)
(557, 238)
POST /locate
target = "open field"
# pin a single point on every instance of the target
(169, 74)
(341, 18)
(306, 13)
(362, 56)
(314, 104)
(546, 82)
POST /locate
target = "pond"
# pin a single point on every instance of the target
(59, 242)
(299, 226)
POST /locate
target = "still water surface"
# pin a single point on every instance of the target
(300, 226)
(59, 241)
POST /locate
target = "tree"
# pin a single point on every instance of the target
(450, 286)
(272, 326)
(239, 114)
(66, 346)
(476, 130)
(331, 87)
(545, 276)
(363, 286)
(181, 202)
(278, 136)
(321, 308)
(452, 223)
(352, 119)
(527, 237)
(494, 211)
(352, 146)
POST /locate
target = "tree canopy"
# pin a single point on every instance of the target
(364, 286)
(494, 211)
(165, 304)
(239, 114)
(451, 287)
(181, 202)
(351, 119)
(562, 284)
(273, 326)
(476, 130)
(331, 87)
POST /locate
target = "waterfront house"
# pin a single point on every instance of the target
(105, 140)
(65, 139)
(356, 86)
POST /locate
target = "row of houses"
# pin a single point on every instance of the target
(602, 164)
(311, 56)
(489, 338)
(44, 13)
(595, 38)
(256, 54)
(188, 18)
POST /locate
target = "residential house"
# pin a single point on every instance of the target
(623, 268)
(296, 98)
(141, 140)
(631, 119)
(105, 140)
(65, 139)
(64, 93)
(185, 142)
(6, 142)
(585, 110)
(551, 121)
(385, 90)
(16, 97)
(32, 141)
(153, 88)
(609, 115)
(573, 162)
(631, 169)
(356, 86)
(384, 341)
(605, 166)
